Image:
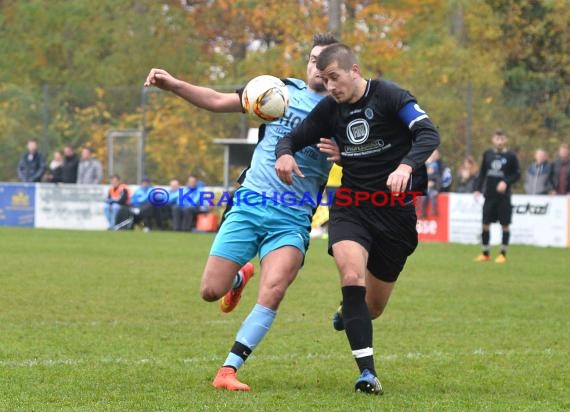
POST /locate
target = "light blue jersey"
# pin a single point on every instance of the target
(255, 226)
(261, 176)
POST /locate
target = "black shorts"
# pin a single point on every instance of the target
(388, 234)
(497, 208)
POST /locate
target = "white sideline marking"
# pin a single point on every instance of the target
(479, 352)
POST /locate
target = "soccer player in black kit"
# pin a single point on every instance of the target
(384, 138)
(499, 170)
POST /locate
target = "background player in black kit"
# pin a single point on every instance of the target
(499, 170)
(384, 139)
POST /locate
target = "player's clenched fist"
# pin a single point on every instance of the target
(160, 78)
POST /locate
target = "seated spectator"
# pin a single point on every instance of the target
(117, 198)
(143, 209)
(467, 175)
(190, 202)
(537, 179)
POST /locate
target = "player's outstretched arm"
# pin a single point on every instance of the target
(202, 97)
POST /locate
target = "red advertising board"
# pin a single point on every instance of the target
(434, 228)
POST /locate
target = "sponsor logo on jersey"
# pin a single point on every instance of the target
(357, 131)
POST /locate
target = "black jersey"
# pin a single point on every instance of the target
(496, 167)
(372, 137)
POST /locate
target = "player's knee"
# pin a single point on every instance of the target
(350, 278)
(375, 310)
(208, 293)
(272, 296)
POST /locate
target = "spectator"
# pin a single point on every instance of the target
(560, 177)
(142, 208)
(70, 165)
(467, 175)
(90, 170)
(53, 174)
(538, 175)
(117, 198)
(176, 209)
(190, 203)
(31, 166)
(434, 167)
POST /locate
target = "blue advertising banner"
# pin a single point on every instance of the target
(17, 204)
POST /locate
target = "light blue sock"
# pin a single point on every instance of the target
(252, 331)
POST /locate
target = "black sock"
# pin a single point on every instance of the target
(485, 238)
(240, 350)
(505, 242)
(358, 326)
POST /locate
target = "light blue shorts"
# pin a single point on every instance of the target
(259, 229)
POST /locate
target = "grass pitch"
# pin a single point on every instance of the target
(108, 321)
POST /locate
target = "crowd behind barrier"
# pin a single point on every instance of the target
(539, 220)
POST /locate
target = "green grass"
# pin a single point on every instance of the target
(112, 321)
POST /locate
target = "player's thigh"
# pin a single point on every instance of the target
(377, 294)
(505, 211)
(279, 269)
(350, 258)
(238, 238)
(490, 214)
(349, 242)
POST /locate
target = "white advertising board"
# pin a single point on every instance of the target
(70, 206)
(537, 220)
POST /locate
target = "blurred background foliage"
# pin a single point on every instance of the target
(72, 70)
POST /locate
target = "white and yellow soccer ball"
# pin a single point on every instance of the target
(265, 98)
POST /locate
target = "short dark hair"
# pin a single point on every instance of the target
(340, 53)
(323, 39)
(499, 132)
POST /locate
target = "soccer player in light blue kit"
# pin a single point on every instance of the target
(279, 233)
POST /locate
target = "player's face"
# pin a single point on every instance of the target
(341, 83)
(313, 75)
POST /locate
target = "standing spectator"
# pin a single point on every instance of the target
(31, 166)
(499, 171)
(117, 198)
(90, 170)
(538, 175)
(53, 174)
(433, 166)
(144, 208)
(70, 165)
(561, 172)
(467, 175)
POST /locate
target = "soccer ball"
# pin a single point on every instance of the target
(265, 98)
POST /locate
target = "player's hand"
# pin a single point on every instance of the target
(331, 149)
(160, 78)
(501, 187)
(398, 180)
(477, 195)
(285, 166)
